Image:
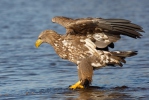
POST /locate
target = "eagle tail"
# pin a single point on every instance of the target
(124, 54)
(119, 57)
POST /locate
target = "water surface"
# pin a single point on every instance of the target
(27, 73)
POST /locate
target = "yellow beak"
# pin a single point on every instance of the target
(38, 43)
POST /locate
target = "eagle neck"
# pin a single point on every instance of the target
(53, 38)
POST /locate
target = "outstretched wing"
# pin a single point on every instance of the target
(102, 32)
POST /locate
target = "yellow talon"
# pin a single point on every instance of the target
(80, 86)
(77, 85)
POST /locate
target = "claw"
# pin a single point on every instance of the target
(76, 86)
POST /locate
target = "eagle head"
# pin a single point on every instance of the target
(46, 36)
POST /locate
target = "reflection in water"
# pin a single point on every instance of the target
(91, 93)
(94, 93)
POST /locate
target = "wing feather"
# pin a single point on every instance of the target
(111, 28)
(117, 20)
(64, 21)
(128, 32)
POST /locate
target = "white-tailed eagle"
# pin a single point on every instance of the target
(87, 41)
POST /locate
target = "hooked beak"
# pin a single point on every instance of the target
(38, 43)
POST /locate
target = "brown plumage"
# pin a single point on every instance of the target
(86, 43)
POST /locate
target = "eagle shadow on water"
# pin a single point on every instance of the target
(87, 42)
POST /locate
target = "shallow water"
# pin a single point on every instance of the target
(28, 73)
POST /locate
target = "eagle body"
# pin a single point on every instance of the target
(86, 43)
(70, 49)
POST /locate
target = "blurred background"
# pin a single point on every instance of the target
(28, 73)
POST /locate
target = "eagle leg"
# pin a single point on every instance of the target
(77, 85)
(85, 72)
